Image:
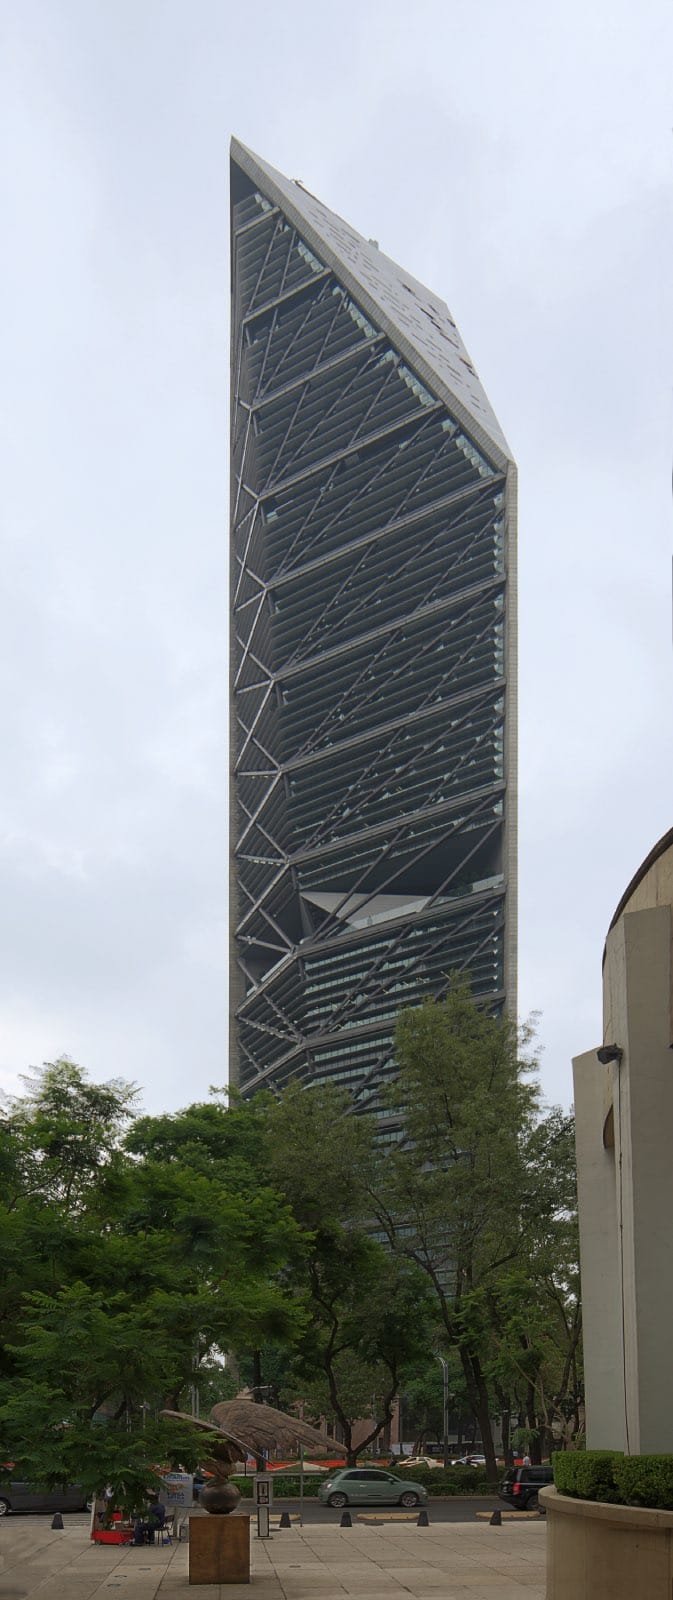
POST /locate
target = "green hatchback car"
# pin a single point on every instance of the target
(370, 1486)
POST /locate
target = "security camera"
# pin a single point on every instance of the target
(609, 1052)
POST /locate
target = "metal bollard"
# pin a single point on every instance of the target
(285, 1520)
(422, 1519)
(345, 1520)
(57, 1520)
(496, 1520)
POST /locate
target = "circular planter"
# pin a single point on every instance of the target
(603, 1552)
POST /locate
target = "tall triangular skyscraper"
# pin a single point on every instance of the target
(373, 650)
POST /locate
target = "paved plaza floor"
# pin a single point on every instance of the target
(446, 1561)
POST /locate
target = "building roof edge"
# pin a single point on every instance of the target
(659, 849)
(298, 203)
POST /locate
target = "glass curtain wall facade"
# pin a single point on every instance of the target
(372, 651)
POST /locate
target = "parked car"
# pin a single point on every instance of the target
(469, 1461)
(520, 1486)
(422, 1461)
(362, 1486)
(18, 1496)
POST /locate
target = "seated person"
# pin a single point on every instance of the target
(145, 1528)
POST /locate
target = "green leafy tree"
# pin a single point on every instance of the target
(368, 1315)
(449, 1197)
(68, 1131)
(536, 1308)
(54, 1451)
(63, 1180)
(368, 1323)
(130, 1260)
(423, 1401)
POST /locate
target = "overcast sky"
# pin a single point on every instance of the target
(516, 156)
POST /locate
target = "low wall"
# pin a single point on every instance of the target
(604, 1552)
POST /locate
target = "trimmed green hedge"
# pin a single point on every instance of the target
(285, 1485)
(468, 1480)
(585, 1474)
(464, 1480)
(645, 1481)
(439, 1486)
(614, 1478)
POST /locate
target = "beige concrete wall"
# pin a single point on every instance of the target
(599, 1250)
(646, 1085)
(655, 887)
(625, 1178)
(603, 1552)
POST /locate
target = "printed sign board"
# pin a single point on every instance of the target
(178, 1490)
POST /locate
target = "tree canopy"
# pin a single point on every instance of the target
(367, 1309)
(129, 1260)
(333, 1267)
(467, 1197)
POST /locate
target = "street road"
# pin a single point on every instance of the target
(453, 1509)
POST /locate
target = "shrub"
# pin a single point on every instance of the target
(620, 1480)
(467, 1480)
(645, 1481)
(457, 1485)
(586, 1474)
(285, 1485)
(462, 1480)
(426, 1475)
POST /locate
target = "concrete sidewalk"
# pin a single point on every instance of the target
(447, 1561)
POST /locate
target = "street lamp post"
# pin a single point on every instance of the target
(445, 1428)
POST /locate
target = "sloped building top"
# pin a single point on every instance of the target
(415, 320)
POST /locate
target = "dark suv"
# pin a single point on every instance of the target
(520, 1486)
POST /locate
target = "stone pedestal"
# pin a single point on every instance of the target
(219, 1549)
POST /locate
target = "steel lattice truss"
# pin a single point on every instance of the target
(371, 637)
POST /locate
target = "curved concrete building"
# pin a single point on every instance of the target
(624, 1112)
(373, 837)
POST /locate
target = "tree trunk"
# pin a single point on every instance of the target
(505, 1403)
(505, 1423)
(478, 1397)
(260, 1463)
(535, 1446)
(484, 1419)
